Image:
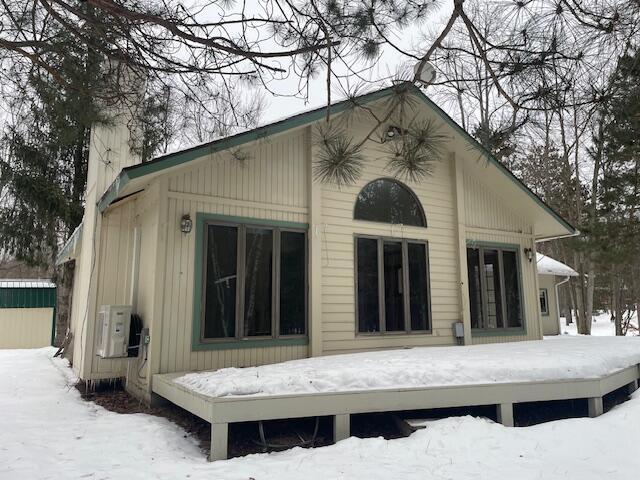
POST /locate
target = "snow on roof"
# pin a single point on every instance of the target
(26, 283)
(549, 266)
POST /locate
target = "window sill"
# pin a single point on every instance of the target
(394, 334)
(249, 343)
(498, 332)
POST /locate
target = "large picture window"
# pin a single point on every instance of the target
(494, 288)
(254, 282)
(392, 278)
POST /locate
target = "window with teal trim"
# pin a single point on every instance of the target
(392, 285)
(254, 282)
(494, 288)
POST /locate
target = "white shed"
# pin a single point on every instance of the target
(27, 313)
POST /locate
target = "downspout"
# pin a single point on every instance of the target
(568, 277)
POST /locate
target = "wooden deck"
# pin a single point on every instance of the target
(220, 411)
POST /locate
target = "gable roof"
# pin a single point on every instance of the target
(123, 186)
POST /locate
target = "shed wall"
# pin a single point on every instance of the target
(25, 327)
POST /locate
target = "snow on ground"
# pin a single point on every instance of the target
(554, 359)
(602, 326)
(48, 432)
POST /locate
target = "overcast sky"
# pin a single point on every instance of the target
(389, 64)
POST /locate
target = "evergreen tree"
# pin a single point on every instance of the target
(620, 193)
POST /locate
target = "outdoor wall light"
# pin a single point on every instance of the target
(186, 223)
(393, 133)
(529, 254)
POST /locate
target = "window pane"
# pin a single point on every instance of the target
(368, 306)
(393, 287)
(258, 282)
(418, 294)
(385, 200)
(512, 289)
(220, 282)
(475, 292)
(494, 292)
(544, 306)
(293, 281)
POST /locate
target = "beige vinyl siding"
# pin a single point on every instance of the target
(25, 327)
(490, 220)
(484, 209)
(114, 275)
(270, 185)
(550, 322)
(146, 222)
(436, 194)
(271, 176)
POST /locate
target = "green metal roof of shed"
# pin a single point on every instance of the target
(16, 296)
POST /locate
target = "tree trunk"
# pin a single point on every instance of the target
(584, 291)
(63, 307)
(588, 309)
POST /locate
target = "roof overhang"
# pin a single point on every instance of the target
(72, 247)
(547, 223)
(135, 177)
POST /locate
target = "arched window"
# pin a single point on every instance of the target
(389, 201)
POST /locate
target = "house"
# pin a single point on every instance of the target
(551, 275)
(232, 254)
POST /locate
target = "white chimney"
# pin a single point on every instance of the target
(111, 143)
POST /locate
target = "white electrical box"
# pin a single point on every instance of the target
(458, 330)
(113, 331)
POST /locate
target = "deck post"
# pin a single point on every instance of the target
(632, 387)
(505, 414)
(596, 407)
(219, 441)
(341, 427)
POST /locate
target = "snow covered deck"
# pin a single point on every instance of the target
(407, 379)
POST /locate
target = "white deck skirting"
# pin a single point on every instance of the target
(220, 411)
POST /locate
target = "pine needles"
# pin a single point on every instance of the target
(412, 157)
(340, 161)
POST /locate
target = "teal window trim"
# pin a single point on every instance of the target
(503, 332)
(248, 343)
(545, 313)
(197, 344)
(380, 240)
